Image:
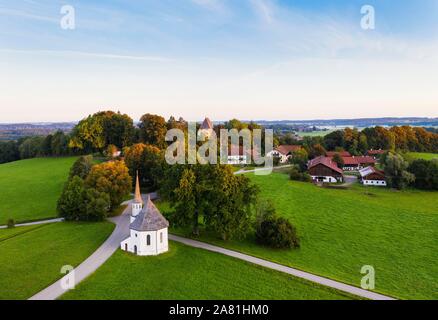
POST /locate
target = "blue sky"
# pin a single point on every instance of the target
(252, 59)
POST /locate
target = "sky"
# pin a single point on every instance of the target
(246, 59)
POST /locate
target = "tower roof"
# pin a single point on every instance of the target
(149, 219)
(207, 124)
(137, 198)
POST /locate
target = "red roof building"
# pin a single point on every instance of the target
(331, 154)
(323, 169)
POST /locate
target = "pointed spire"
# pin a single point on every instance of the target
(137, 198)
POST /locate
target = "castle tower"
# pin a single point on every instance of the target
(137, 204)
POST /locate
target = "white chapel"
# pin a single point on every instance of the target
(148, 228)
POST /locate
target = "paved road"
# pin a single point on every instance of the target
(271, 265)
(86, 268)
(242, 171)
(35, 223)
(349, 180)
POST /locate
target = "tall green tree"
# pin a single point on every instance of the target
(148, 161)
(153, 130)
(81, 167)
(397, 175)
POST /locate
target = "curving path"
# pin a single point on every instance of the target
(35, 223)
(278, 267)
(106, 250)
(86, 268)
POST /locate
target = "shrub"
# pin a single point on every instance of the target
(11, 223)
(81, 167)
(297, 175)
(274, 231)
(426, 174)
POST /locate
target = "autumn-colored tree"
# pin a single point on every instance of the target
(101, 129)
(153, 130)
(112, 178)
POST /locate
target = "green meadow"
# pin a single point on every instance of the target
(29, 189)
(420, 155)
(189, 273)
(343, 230)
(31, 257)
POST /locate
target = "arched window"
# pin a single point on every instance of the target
(161, 237)
(148, 240)
(135, 249)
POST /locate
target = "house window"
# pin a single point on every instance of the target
(136, 235)
(148, 240)
(161, 237)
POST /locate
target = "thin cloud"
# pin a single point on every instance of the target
(26, 15)
(89, 55)
(264, 9)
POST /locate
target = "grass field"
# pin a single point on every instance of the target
(31, 257)
(321, 133)
(29, 189)
(419, 155)
(343, 230)
(189, 273)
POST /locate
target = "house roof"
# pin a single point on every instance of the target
(365, 160)
(357, 160)
(325, 161)
(286, 149)
(207, 124)
(376, 152)
(149, 219)
(365, 172)
(341, 153)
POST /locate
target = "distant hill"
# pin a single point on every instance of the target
(362, 122)
(14, 131)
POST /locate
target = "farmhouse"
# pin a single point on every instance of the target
(237, 155)
(323, 169)
(356, 163)
(376, 154)
(284, 152)
(148, 228)
(370, 176)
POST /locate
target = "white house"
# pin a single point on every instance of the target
(284, 152)
(370, 176)
(148, 228)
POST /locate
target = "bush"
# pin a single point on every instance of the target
(274, 231)
(426, 174)
(296, 175)
(79, 203)
(11, 223)
(81, 167)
